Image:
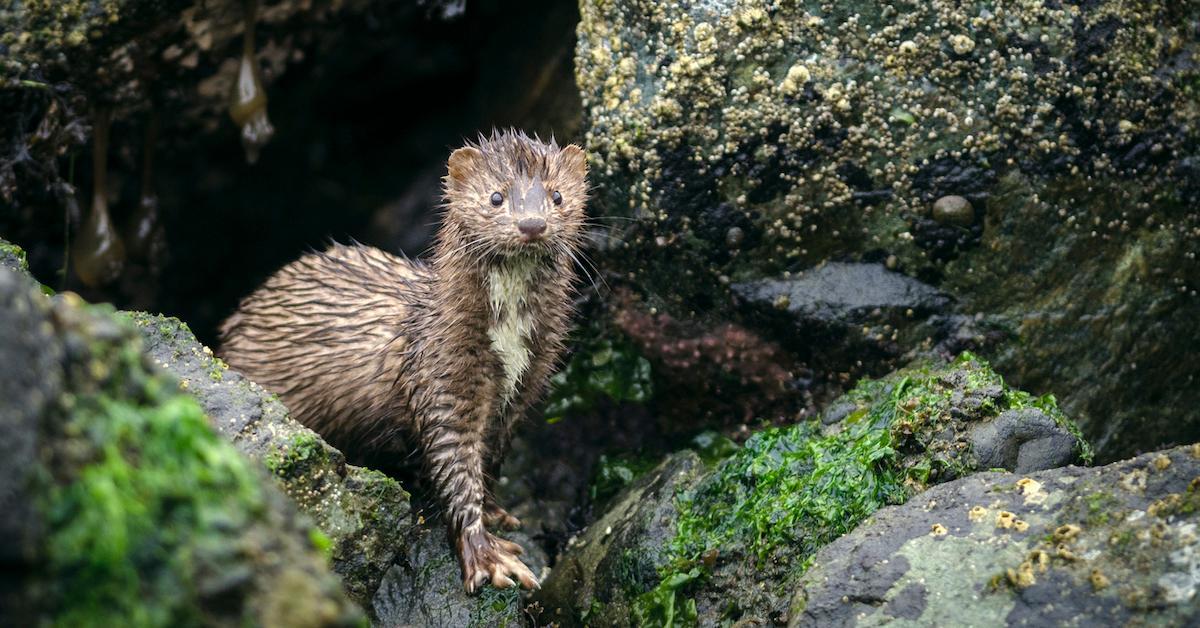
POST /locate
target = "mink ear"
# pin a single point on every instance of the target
(463, 161)
(574, 160)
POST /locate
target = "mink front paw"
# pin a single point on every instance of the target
(485, 557)
(496, 517)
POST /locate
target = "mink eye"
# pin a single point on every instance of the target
(497, 198)
(556, 197)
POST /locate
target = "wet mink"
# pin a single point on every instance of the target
(380, 353)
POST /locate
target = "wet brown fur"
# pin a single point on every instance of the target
(372, 350)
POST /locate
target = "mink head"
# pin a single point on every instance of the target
(510, 193)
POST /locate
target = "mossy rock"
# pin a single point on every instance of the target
(753, 144)
(692, 542)
(12, 257)
(365, 518)
(139, 513)
(1107, 546)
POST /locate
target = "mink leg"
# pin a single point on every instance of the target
(456, 462)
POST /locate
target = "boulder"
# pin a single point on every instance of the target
(1036, 164)
(726, 540)
(121, 505)
(1108, 546)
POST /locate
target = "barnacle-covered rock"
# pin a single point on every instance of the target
(837, 131)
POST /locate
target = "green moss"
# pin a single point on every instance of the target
(295, 457)
(13, 256)
(320, 541)
(134, 523)
(792, 486)
(151, 518)
(145, 496)
(791, 490)
(601, 369)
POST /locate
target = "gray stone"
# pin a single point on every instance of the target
(838, 293)
(954, 210)
(1108, 546)
(1022, 440)
(29, 382)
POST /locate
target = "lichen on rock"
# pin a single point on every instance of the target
(1112, 545)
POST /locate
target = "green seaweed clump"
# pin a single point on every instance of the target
(661, 606)
(601, 369)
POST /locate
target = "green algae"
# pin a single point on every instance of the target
(13, 257)
(601, 369)
(662, 606)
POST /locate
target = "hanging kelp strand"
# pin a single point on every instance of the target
(248, 103)
(97, 254)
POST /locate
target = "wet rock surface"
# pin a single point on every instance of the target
(1114, 545)
(724, 539)
(600, 572)
(368, 516)
(840, 294)
(131, 509)
(424, 588)
(1036, 164)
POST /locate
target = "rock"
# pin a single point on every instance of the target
(366, 515)
(727, 542)
(133, 510)
(425, 589)
(598, 576)
(825, 134)
(843, 295)
(13, 258)
(1108, 546)
(1022, 440)
(953, 210)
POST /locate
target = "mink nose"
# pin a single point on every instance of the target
(531, 227)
